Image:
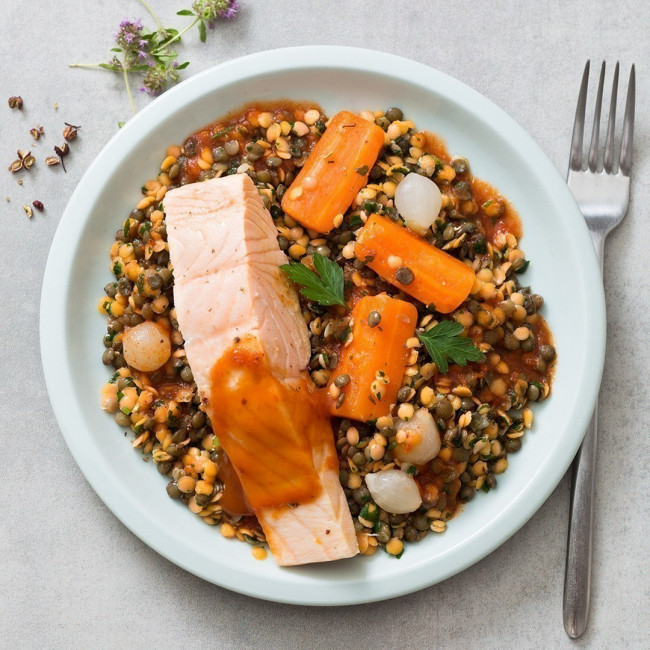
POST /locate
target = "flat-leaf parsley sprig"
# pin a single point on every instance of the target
(325, 286)
(149, 54)
(444, 342)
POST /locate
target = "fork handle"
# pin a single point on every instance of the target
(577, 577)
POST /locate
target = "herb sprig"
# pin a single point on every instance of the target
(149, 53)
(325, 286)
(444, 343)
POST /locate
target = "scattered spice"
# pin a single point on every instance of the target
(56, 106)
(36, 132)
(50, 161)
(25, 161)
(28, 211)
(38, 205)
(16, 102)
(70, 131)
(61, 152)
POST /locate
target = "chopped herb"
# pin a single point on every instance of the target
(485, 487)
(320, 126)
(222, 132)
(117, 268)
(412, 470)
(140, 283)
(480, 246)
(325, 286)
(355, 221)
(370, 512)
(127, 227)
(343, 336)
(444, 342)
(115, 377)
(371, 206)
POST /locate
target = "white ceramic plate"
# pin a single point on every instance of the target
(563, 270)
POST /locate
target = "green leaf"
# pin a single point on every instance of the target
(120, 124)
(324, 287)
(202, 33)
(109, 66)
(444, 343)
(182, 66)
(116, 49)
(184, 12)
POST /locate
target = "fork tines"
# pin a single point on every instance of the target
(625, 163)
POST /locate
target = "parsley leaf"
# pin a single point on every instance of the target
(324, 287)
(443, 342)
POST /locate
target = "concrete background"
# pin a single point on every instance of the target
(72, 576)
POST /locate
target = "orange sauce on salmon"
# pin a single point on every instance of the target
(270, 429)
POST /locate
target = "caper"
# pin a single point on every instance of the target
(532, 393)
(359, 459)
(273, 162)
(467, 404)
(374, 318)
(404, 275)
(463, 190)
(466, 493)
(186, 374)
(361, 495)
(511, 342)
(444, 409)
(394, 114)
(547, 352)
(264, 176)
(460, 165)
(342, 380)
(108, 357)
(122, 419)
(173, 490)
(405, 393)
(512, 444)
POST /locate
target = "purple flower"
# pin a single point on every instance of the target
(212, 10)
(158, 77)
(129, 39)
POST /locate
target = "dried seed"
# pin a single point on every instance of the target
(38, 205)
(16, 102)
(36, 132)
(63, 150)
(70, 131)
(29, 161)
(16, 166)
(50, 161)
(28, 211)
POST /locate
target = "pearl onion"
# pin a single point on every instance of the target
(394, 491)
(418, 200)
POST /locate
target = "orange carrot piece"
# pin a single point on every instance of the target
(376, 354)
(438, 278)
(334, 172)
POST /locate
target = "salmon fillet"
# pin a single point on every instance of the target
(248, 347)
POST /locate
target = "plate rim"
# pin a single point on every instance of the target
(54, 294)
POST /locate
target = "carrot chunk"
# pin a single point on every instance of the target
(334, 172)
(409, 262)
(375, 359)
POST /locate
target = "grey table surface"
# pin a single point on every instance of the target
(72, 575)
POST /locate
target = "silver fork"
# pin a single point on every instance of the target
(602, 195)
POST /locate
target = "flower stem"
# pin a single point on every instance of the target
(166, 44)
(85, 65)
(128, 88)
(153, 15)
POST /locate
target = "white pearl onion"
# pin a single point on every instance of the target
(394, 491)
(418, 200)
(422, 442)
